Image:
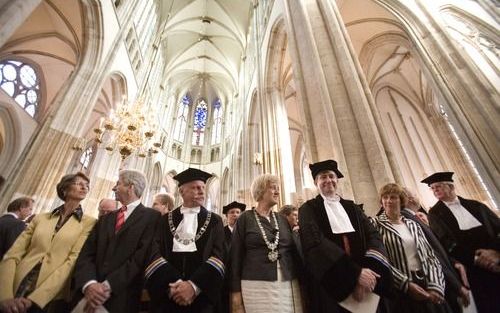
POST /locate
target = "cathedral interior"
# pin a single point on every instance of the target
(394, 90)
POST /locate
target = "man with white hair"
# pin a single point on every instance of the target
(109, 270)
(187, 269)
(470, 232)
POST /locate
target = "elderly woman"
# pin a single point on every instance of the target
(263, 256)
(417, 272)
(36, 270)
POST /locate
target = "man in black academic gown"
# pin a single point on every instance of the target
(470, 232)
(187, 270)
(232, 212)
(109, 270)
(342, 250)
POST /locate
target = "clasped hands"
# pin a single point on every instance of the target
(96, 294)
(488, 259)
(16, 305)
(182, 292)
(367, 281)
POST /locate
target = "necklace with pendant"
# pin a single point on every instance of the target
(186, 241)
(273, 247)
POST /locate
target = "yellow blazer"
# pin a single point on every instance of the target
(58, 253)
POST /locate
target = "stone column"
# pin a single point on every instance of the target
(336, 109)
(471, 105)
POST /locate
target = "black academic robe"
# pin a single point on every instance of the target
(462, 244)
(203, 267)
(224, 302)
(118, 258)
(334, 272)
(10, 228)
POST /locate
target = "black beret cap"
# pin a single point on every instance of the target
(191, 174)
(328, 165)
(234, 205)
(438, 177)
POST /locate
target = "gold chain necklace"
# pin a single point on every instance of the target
(185, 241)
(273, 247)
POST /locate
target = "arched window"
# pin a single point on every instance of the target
(20, 81)
(86, 158)
(182, 115)
(200, 121)
(217, 122)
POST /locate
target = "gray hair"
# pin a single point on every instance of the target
(135, 178)
(260, 184)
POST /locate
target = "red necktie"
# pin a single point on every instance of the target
(120, 218)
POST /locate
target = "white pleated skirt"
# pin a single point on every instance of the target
(271, 296)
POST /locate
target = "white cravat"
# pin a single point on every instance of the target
(464, 218)
(186, 230)
(337, 216)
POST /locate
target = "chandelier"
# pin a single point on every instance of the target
(129, 129)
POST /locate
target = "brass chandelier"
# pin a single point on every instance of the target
(129, 130)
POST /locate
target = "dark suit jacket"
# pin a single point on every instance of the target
(10, 228)
(118, 258)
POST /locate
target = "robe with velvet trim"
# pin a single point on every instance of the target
(334, 272)
(195, 266)
(462, 244)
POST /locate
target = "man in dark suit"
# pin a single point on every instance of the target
(109, 270)
(470, 233)
(187, 269)
(12, 224)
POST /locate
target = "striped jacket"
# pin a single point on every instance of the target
(397, 256)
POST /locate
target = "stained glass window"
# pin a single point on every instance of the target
(200, 121)
(20, 81)
(217, 122)
(182, 115)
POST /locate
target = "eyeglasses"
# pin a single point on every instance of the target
(83, 185)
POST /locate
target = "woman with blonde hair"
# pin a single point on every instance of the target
(36, 270)
(264, 256)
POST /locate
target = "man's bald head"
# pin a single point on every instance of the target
(107, 206)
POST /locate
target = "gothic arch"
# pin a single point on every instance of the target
(10, 138)
(474, 127)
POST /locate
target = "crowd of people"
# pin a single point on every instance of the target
(326, 256)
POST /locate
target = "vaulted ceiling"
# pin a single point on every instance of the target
(203, 43)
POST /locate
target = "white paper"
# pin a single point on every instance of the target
(368, 305)
(79, 308)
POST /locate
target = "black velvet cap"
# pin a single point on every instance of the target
(438, 177)
(190, 175)
(328, 165)
(234, 205)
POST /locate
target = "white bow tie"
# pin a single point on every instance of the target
(454, 202)
(190, 210)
